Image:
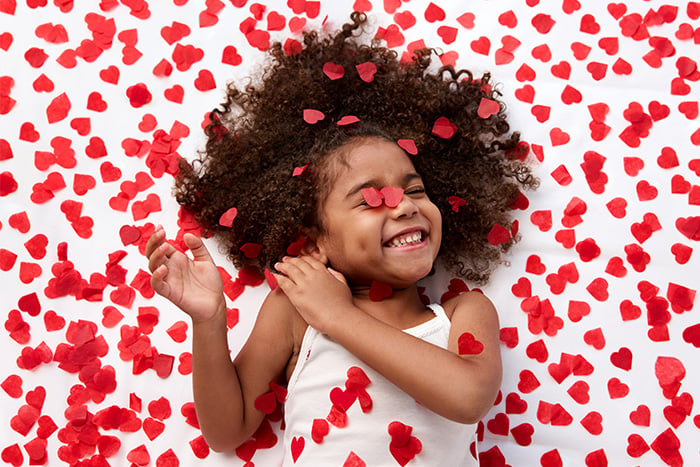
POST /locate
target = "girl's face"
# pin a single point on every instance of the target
(395, 245)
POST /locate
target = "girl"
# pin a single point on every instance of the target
(351, 172)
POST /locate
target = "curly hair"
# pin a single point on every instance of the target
(258, 137)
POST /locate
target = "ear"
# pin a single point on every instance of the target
(314, 246)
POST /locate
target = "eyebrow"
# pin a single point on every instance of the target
(409, 177)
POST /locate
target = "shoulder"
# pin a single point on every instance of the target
(470, 305)
(279, 312)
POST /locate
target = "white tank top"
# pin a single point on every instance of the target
(339, 411)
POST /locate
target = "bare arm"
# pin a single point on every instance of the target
(459, 387)
(224, 391)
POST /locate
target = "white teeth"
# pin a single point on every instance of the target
(408, 239)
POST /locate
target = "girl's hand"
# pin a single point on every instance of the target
(315, 290)
(193, 285)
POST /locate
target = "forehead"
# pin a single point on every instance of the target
(371, 158)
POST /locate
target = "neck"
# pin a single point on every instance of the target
(400, 309)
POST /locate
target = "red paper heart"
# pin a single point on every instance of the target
(487, 108)
(443, 128)
(509, 336)
(333, 71)
(592, 422)
(467, 344)
(528, 382)
(379, 291)
(297, 447)
(319, 430)
(481, 45)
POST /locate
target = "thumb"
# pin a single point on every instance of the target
(196, 246)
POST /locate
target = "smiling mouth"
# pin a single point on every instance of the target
(411, 238)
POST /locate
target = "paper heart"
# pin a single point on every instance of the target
(319, 429)
(487, 108)
(558, 137)
(266, 403)
(508, 19)
(592, 422)
(347, 120)
(543, 23)
(481, 45)
(589, 25)
(297, 447)
(598, 288)
(379, 291)
(342, 399)
(366, 71)
(541, 113)
(205, 81)
(617, 207)
(577, 310)
(509, 336)
(19, 330)
(542, 53)
(28, 272)
(185, 56)
(525, 94)
(443, 128)
(408, 145)
(312, 116)
(622, 358)
(498, 235)
(571, 95)
(25, 419)
(333, 71)
(561, 70)
(522, 288)
(636, 446)
(46, 427)
(434, 13)
(403, 446)
(617, 389)
(551, 459)
(689, 109)
(667, 446)
(528, 382)
(53, 322)
(153, 428)
(553, 414)
(174, 32)
(110, 75)
(499, 425)
(515, 404)
(689, 226)
(467, 344)
(579, 391)
(534, 265)
(538, 351)
(12, 385)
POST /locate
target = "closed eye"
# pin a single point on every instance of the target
(415, 190)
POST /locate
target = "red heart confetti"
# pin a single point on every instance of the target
(467, 344)
(626, 192)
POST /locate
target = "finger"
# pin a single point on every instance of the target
(284, 283)
(300, 263)
(160, 255)
(158, 282)
(196, 246)
(288, 270)
(313, 262)
(156, 239)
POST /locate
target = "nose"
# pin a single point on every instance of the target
(406, 207)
